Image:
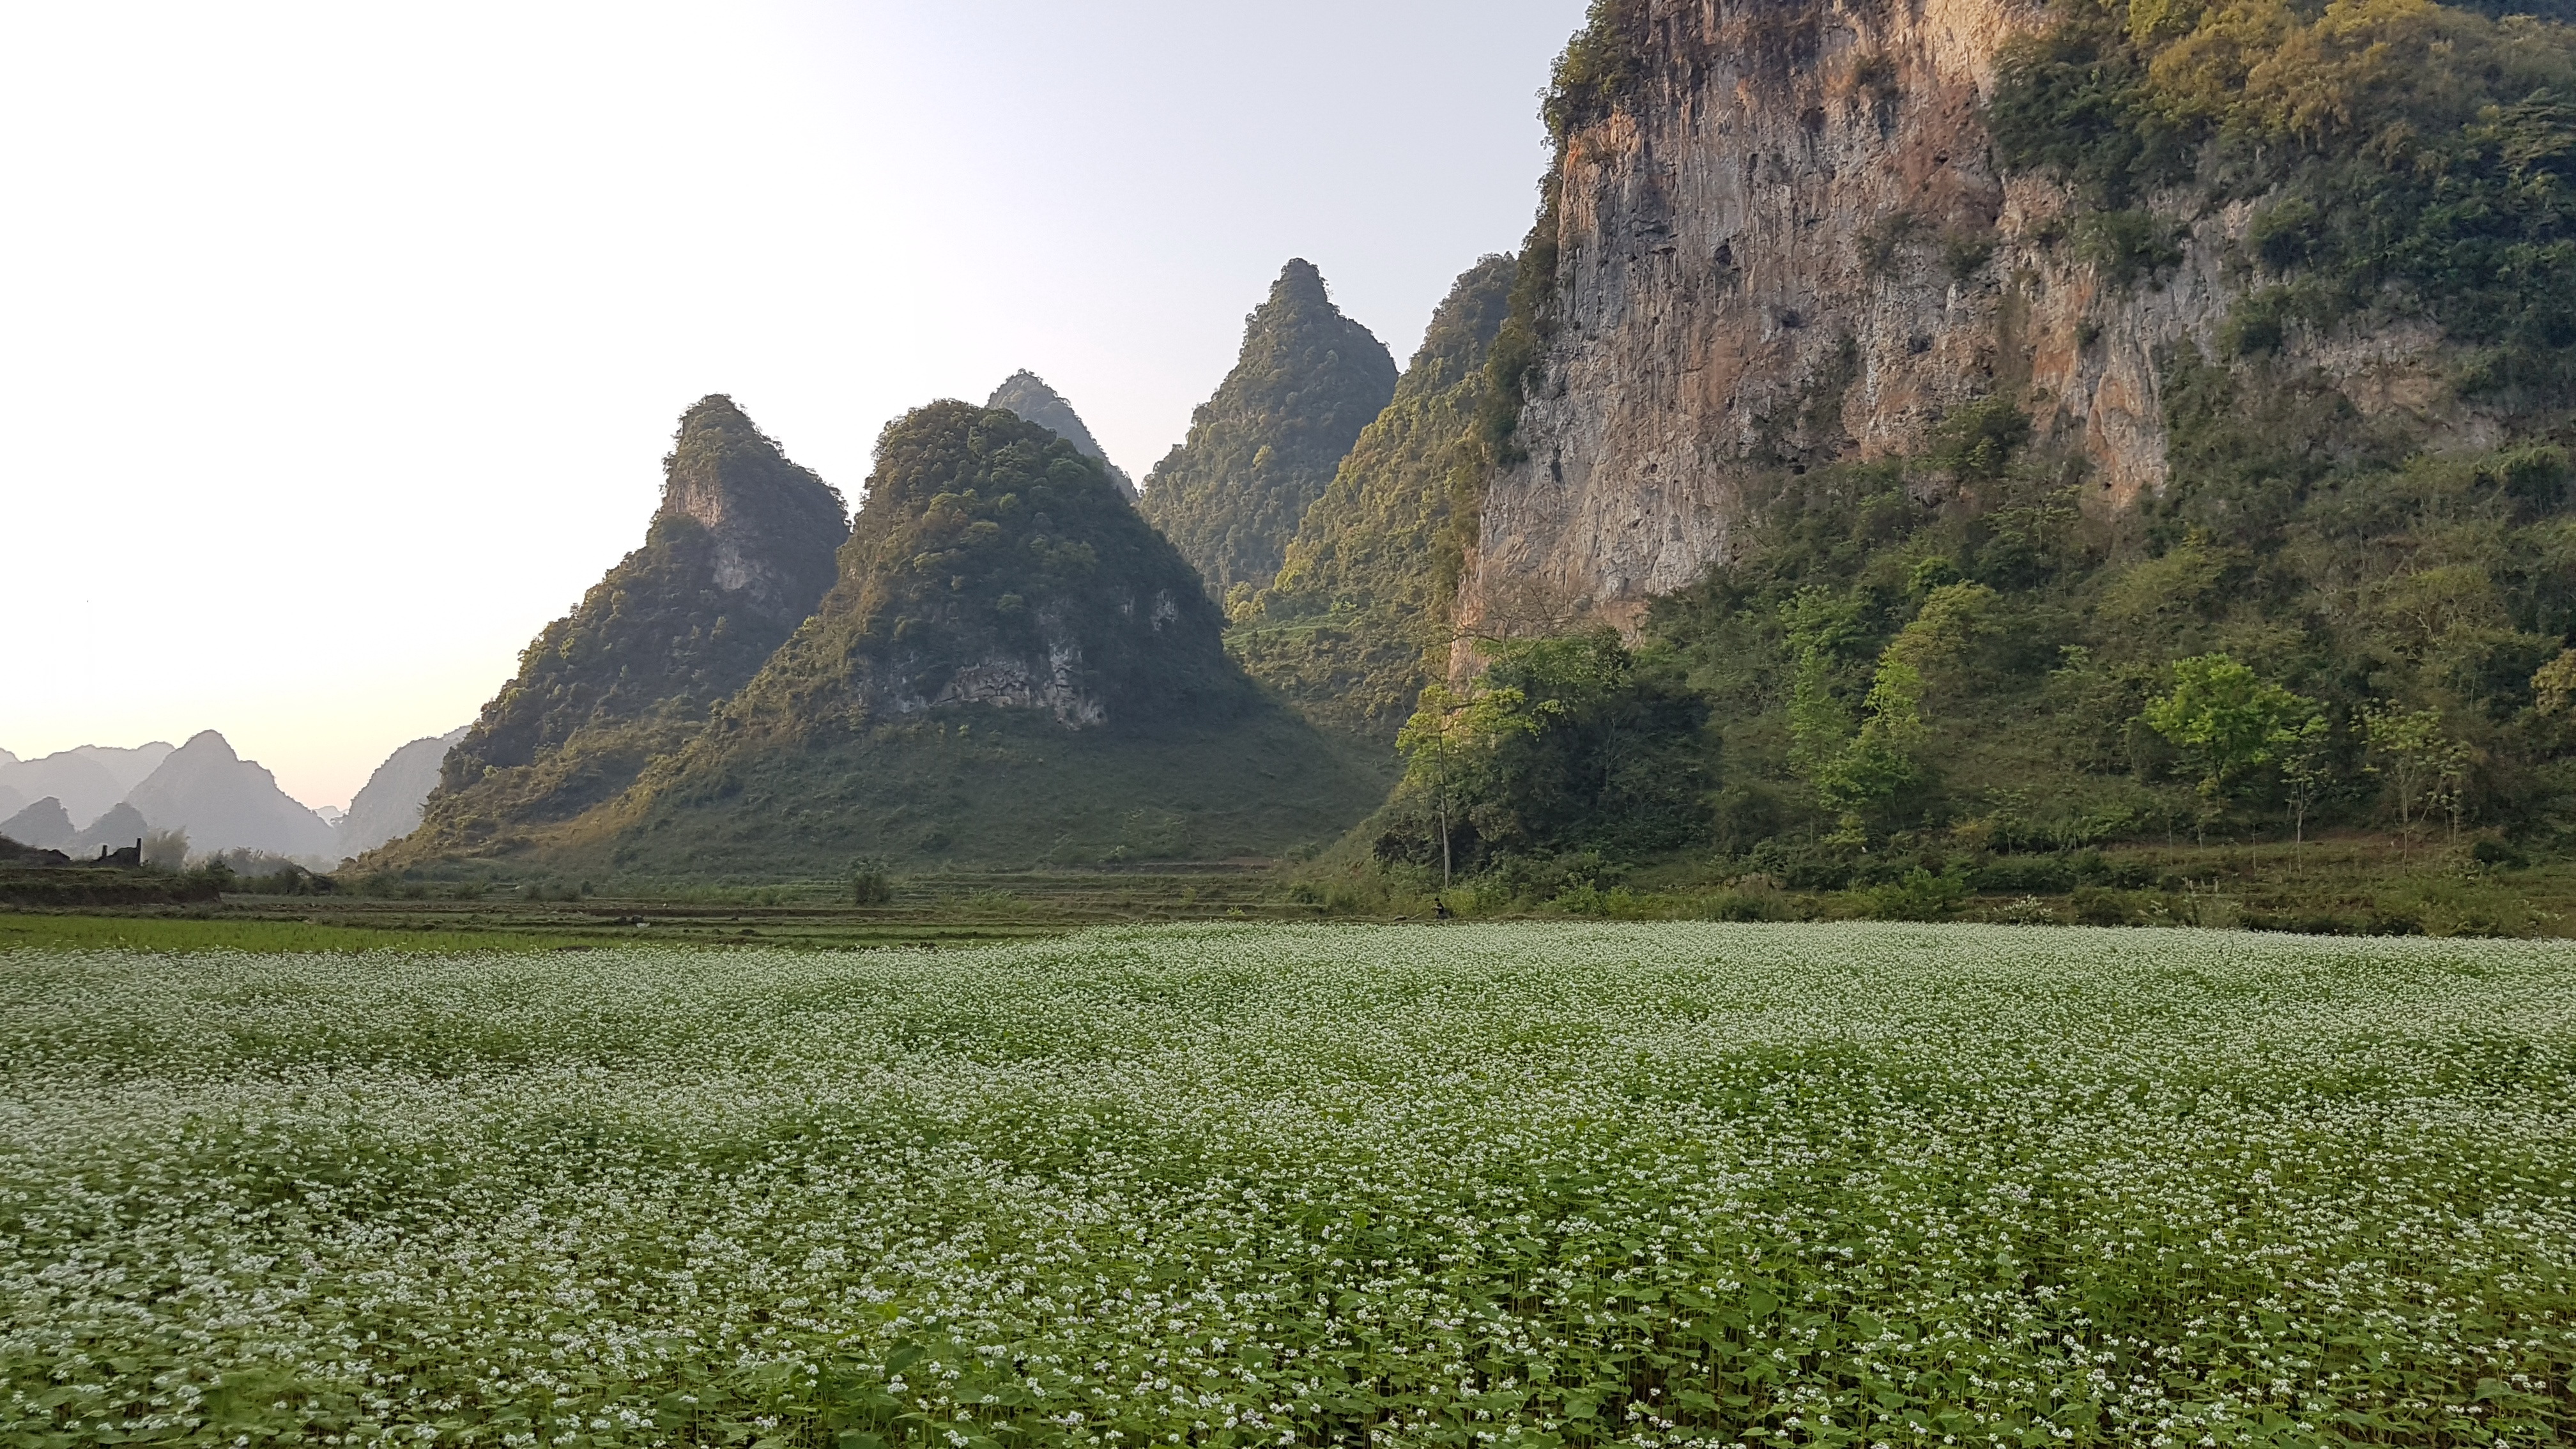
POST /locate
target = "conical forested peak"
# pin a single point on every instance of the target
(1300, 285)
(1357, 620)
(1014, 667)
(771, 518)
(736, 557)
(1262, 449)
(995, 563)
(1027, 394)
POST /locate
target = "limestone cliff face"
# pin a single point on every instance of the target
(1788, 244)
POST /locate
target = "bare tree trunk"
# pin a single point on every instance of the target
(1444, 845)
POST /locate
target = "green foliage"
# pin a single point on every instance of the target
(2426, 770)
(1267, 444)
(1563, 745)
(2207, 663)
(1921, 896)
(1355, 625)
(1600, 69)
(1014, 668)
(871, 883)
(2400, 142)
(2126, 245)
(2230, 721)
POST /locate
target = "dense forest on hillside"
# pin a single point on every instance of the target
(1263, 448)
(667, 635)
(2331, 618)
(1013, 667)
(1357, 621)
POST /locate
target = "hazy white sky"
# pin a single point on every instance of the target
(340, 343)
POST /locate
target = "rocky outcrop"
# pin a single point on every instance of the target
(1784, 241)
(1265, 446)
(1027, 394)
(738, 554)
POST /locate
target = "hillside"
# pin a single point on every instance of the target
(1028, 395)
(736, 556)
(1263, 448)
(1013, 667)
(1357, 621)
(2018, 430)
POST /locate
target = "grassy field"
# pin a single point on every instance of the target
(1533, 1184)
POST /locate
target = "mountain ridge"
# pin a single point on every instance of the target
(738, 552)
(1261, 449)
(1013, 667)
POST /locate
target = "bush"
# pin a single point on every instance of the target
(871, 884)
(2097, 906)
(1920, 896)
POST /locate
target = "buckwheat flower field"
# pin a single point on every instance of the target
(1518, 1185)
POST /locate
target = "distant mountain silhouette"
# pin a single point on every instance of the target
(225, 802)
(86, 780)
(11, 802)
(389, 808)
(44, 824)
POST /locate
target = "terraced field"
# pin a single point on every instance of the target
(1262, 1184)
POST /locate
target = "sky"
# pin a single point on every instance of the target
(340, 344)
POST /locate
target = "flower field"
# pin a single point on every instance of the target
(1538, 1185)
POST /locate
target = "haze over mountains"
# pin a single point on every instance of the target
(205, 791)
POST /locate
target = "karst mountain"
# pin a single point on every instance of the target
(1012, 668)
(1356, 622)
(736, 556)
(389, 806)
(43, 823)
(87, 780)
(225, 802)
(1264, 447)
(1028, 395)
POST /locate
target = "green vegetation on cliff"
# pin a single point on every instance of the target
(1013, 668)
(1919, 673)
(1265, 446)
(2404, 157)
(1357, 621)
(738, 554)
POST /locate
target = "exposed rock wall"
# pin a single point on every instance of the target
(1790, 245)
